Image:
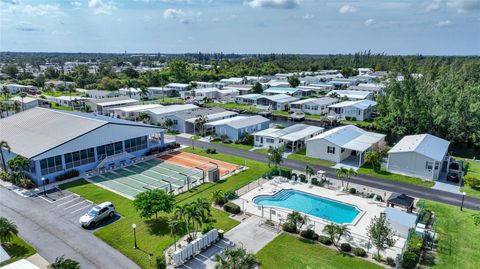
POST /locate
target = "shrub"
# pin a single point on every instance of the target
(294, 176)
(160, 262)
(360, 252)
(232, 208)
(379, 198)
(426, 215)
(309, 234)
(269, 222)
(352, 191)
(211, 151)
(390, 261)
(325, 240)
(230, 195)
(315, 181)
(207, 228)
(303, 178)
(415, 244)
(472, 181)
(69, 174)
(4, 176)
(410, 260)
(346, 247)
(26, 183)
(289, 227)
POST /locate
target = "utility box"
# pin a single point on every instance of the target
(213, 175)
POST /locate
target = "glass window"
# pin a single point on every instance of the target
(428, 165)
(331, 150)
(51, 165)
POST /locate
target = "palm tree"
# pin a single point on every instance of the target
(341, 231)
(372, 157)
(331, 231)
(63, 263)
(22, 95)
(350, 172)
(275, 155)
(237, 258)
(4, 145)
(144, 92)
(7, 230)
(202, 212)
(16, 106)
(297, 219)
(218, 197)
(168, 123)
(173, 224)
(70, 89)
(341, 173)
(5, 92)
(19, 164)
(309, 171)
(200, 123)
(181, 213)
(128, 86)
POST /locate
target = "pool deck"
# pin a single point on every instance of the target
(358, 227)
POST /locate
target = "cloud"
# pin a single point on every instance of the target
(282, 4)
(17, 7)
(27, 27)
(432, 6)
(369, 22)
(179, 15)
(146, 18)
(101, 7)
(443, 23)
(308, 16)
(463, 5)
(76, 4)
(347, 9)
(11, 2)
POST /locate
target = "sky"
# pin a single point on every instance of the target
(428, 27)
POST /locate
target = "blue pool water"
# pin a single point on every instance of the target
(310, 204)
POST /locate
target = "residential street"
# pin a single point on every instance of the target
(370, 181)
(53, 232)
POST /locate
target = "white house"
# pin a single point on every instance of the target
(276, 102)
(375, 88)
(98, 94)
(365, 71)
(278, 83)
(70, 101)
(135, 93)
(247, 99)
(184, 121)
(242, 89)
(423, 155)
(101, 105)
(355, 110)
(313, 106)
(346, 144)
(215, 93)
(175, 89)
(130, 112)
(292, 137)
(232, 81)
(15, 88)
(237, 126)
(352, 95)
(160, 114)
(27, 102)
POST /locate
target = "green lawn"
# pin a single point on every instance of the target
(154, 236)
(18, 249)
(474, 170)
(59, 107)
(366, 170)
(233, 145)
(171, 101)
(233, 106)
(300, 156)
(361, 124)
(289, 252)
(261, 151)
(458, 238)
(280, 113)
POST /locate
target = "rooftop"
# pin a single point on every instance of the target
(280, 98)
(351, 93)
(113, 101)
(360, 104)
(240, 121)
(172, 109)
(425, 144)
(350, 137)
(322, 101)
(136, 108)
(291, 133)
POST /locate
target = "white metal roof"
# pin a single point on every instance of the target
(177, 85)
(360, 104)
(425, 144)
(403, 218)
(351, 94)
(212, 116)
(253, 96)
(172, 109)
(37, 130)
(291, 133)
(350, 137)
(136, 108)
(326, 100)
(280, 98)
(21, 264)
(26, 99)
(240, 121)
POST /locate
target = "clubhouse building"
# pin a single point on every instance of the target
(57, 142)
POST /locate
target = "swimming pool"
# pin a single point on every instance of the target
(310, 204)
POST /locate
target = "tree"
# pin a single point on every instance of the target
(380, 233)
(309, 171)
(341, 173)
(19, 164)
(64, 263)
(218, 198)
(275, 155)
(11, 70)
(142, 116)
(152, 202)
(348, 71)
(372, 158)
(181, 212)
(236, 258)
(174, 224)
(4, 146)
(144, 92)
(22, 95)
(201, 213)
(5, 92)
(342, 230)
(168, 123)
(331, 231)
(472, 181)
(293, 81)
(348, 174)
(200, 122)
(7, 230)
(297, 219)
(257, 88)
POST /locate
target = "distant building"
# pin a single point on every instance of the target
(15, 88)
(28, 102)
(59, 85)
(236, 127)
(135, 93)
(248, 99)
(131, 112)
(352, 95)
(369, 87)
(276, 102)
(74, 101)
(356, 110)
(103, 105)
(215, 93)
(160, 114)
(313, 106)
(242, 89)
(98, 94)
(185, 121)
(292, 137)
(232, 81)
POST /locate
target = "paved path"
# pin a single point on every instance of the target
(366, 180)
(53, 234)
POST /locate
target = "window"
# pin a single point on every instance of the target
(51, 165)
(136, 144)
(331, 150)
(109, 149)
(428, 165)
(269, 140)
(436, 165)
(81, 157)
(342, 150)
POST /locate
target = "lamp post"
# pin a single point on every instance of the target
(134, 226)
(463, 199)
(43, 183)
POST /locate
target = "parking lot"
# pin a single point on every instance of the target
(70, 206)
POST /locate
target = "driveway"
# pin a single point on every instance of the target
(370, 181)
(52, 230)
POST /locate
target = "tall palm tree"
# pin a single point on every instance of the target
(341, 231)
(5, 92)
(200, 122)
(181, 212)
(275, 156)
(237, 258)
(22, 95)
(7, 230)
(349, 173)
(331, 231)
(4, 146)
(309, 171)
(341, 173)
(217, 197)
(64, 263)
(144, 92)
(173, 224)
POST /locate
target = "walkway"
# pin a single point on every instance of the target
(366, 180)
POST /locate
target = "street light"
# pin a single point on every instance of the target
(44, 191)
(463, 199)
(134, 226)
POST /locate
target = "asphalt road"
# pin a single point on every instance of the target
(53, 232)
(370, 181)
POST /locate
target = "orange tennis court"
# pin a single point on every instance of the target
(204, 163)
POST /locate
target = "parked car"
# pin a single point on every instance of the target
(96, 214)
(453, 177)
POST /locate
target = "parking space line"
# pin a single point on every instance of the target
(39, 196)
(80, 209)
(68, 201)
(73, 194)
(74, 205)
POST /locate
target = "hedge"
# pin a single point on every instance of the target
(232, 208)
(360, 252)
(325, 240)
(346, 247)
(289, 227)
(309, 234)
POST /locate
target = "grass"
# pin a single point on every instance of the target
(301, 156)
(59, 107)
(233, 106)
(367, 170)
(233, 145)
(55, 93)
(18, 249)
(195, 137)
(280, 113)
(171, 101)
(288, 251)
(154, 236)
(458, 244)
(474, 170)
(261, 151)
(361, 124)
